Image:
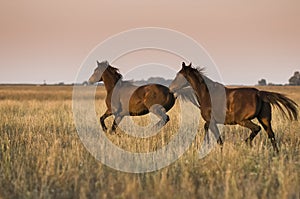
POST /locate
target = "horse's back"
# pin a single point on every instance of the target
(242, 103)
(156, 94)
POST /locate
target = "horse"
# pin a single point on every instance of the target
(237, 106)
(125, 99)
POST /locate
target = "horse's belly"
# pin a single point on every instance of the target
(238, 115)
(135, 110)
(230, 120)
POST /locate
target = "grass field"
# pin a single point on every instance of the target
(41, 155)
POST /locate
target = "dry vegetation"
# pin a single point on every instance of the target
(41, 155)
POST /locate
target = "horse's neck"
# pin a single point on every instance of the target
(201, 90)
(110, 84)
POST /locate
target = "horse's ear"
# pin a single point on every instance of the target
(98, 63)
(186, 66)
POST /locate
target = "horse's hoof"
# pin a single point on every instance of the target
(248, 142)
(104, 130)
(112, 132)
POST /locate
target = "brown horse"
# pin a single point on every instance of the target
(233, 105)
(123, 98)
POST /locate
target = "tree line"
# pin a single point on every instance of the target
(293, 81)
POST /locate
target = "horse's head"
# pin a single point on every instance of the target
(180, 80)
(98, 72)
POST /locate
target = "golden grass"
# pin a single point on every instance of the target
(41, 155)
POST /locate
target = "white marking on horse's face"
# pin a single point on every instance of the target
(178, 83)
(96, 76)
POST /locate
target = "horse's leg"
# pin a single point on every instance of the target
(206, 135)
(214, 128)
(103, 117)
(266, 123)
(160, 112)
(116, 122)
(253, 127)
(265, 119)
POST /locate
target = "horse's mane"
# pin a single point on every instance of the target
(115, 71)
(200, 72)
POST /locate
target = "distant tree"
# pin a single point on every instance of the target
(152, 80)
(262, 82)
(295, 79)
(159, 80)
(156, 80)
(85, 83)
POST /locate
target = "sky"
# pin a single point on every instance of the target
(248, 40)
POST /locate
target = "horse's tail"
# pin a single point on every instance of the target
(187, 94)
(281, 101)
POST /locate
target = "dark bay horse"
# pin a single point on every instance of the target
(241, 105)
(123, 98)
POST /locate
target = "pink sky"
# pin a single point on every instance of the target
(248, 40)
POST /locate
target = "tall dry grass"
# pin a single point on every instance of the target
(41, 155)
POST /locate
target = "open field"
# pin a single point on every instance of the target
(41, 155)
